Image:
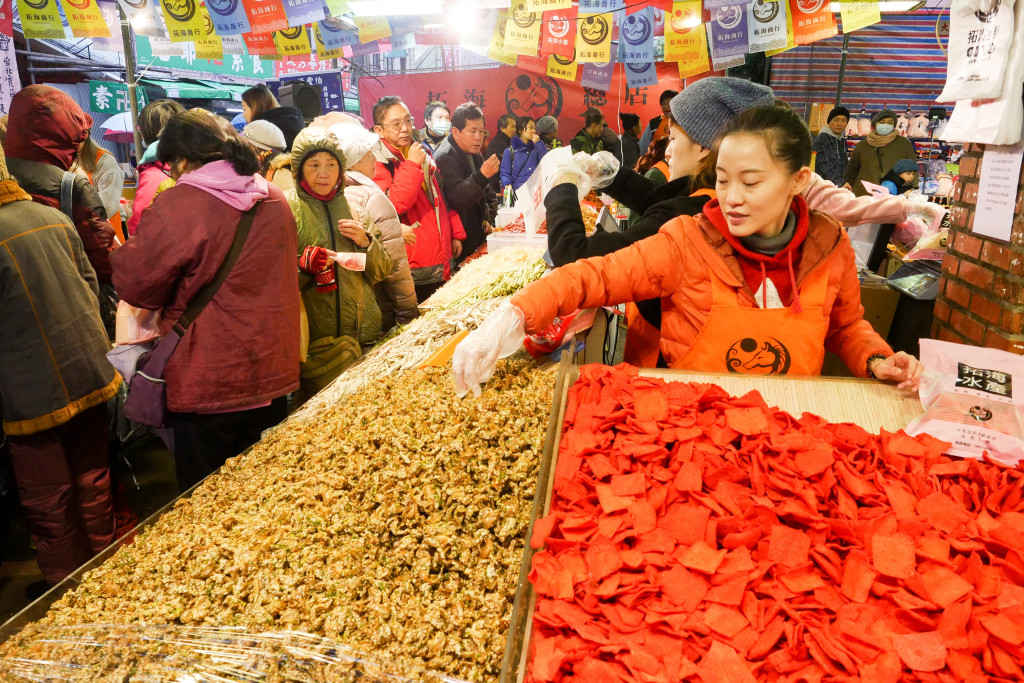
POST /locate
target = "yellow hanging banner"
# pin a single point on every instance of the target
(41, 19)
(594, 38)
(679, 29)
(497, 51)
(184, 20)
(210, 45)
(693, 59)
(790, 37)
(545, 5)
(293, 42)
(858, 14)
(322, 53)
(522, 31)
(560, 67)
(372, 28)
(85, 19)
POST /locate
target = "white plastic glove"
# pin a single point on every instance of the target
(557, 167)
(930, 213)
(601, 167)
(499, 336)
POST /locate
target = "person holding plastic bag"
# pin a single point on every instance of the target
(340, 306)
(755, 284)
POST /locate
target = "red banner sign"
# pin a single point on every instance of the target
(515, 91)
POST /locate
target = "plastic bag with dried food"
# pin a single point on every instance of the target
(600, 166)
(499, 336)
(558, 167)
(969, 400)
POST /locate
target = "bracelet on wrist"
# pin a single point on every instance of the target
(871, 363)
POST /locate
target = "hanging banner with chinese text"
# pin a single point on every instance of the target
(229, 17)
(560, 67)
(636, 37)
(728, 31)
(260, 43)
(292, 42)
(812, 20)
(329, 85)
(333, 35)
(596, 6)
(107, 97)
(545, 5)
(558, 33)
(322, 51)
(244, 67)
(766, 25)
(598, 76)
(265, 16)
(679, 27)
(640, 74)
(112, 18)
(790, 39)
(233, 45)
(594, 38)
(184, 20)
(372, 28)
(296, 66)
(144, 16)
(41, 19)
(10, 82)
(85, 19)
(163, 47)
(857, 14)
(302, 12)
(6, 18)
(522, 31)
(693, 57)
(209, 46)
(497, 51)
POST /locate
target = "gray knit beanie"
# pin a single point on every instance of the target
(703, 108)
(885, 113)
(547, 125)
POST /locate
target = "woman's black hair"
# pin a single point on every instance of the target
(786, 135)
(197, 138)
(522, 122)
(260, 99)
(154, 116)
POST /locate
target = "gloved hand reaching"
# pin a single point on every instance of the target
(499, 336)
(557, 167)
(314, 259)
(929, 213)
(601, 167)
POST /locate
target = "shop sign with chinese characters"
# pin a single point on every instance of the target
(107, 97)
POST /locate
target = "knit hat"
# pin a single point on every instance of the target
(628, 121)
(885, 113)
(703, 108)
(838, 111)
(547, 125)
(355, 141)
(904, 165)
(265, 135)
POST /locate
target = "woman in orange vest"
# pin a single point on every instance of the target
(755, 284)
(100, 167)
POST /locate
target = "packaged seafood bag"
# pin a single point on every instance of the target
(974, 399)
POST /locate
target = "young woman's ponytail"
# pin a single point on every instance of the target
(198, 138)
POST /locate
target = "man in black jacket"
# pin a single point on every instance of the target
(465, 176)
(501, 141)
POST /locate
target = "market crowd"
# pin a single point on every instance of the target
(257, 265)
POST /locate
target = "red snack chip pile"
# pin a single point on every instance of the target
(701, 537)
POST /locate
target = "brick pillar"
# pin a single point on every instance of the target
(981, 294)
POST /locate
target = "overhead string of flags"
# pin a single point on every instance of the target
(556, 37)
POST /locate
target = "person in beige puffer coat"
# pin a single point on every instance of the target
(396, 295)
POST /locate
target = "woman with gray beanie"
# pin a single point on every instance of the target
(875, 155)
(547, 129)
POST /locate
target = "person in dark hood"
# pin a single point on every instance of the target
(630, 139)
(259, 104)
(45, 130)
(901, 179)
(830, 147)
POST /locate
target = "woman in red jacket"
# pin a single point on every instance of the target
(755, 284)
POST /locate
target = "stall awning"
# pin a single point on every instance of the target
(207, 90)
(235, 89)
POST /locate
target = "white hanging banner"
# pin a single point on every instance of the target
(979, 44)
(144, 16)
(766, 25)
(10, 83)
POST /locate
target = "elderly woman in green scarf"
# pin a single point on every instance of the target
(340, 307)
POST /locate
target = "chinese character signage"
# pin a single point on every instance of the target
(497, 50)
(560, 67)
(372, 28)
(640, 74)
(112, 18)
(331, 33)
(636, 37)
(209, 46)
(41, 19)
(260, 43)
(229, 17)
(597, 6)
(293, 41)
(144, 16)
(812, 20)
(10, 83)
(857, 14)
(766, 25)
(558, 33)
(302, 12)
(300, 66)
(85, 19)
(681, 23)
(790, 39)
(522, 30)
(6, 18)
(594, 38)
(107, 97)
(184, 20)
(545, 5)
(597, 76)
(244, 66)
(995, 382)
(329, 85)
(693, 59)
(265, 16)
(729, 31)
(233, 45)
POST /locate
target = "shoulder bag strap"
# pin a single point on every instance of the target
(67, 186)
(207, 292)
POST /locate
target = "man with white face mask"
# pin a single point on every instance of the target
(437, 122)
(877, 154)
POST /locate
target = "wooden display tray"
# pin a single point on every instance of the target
(870, 404)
